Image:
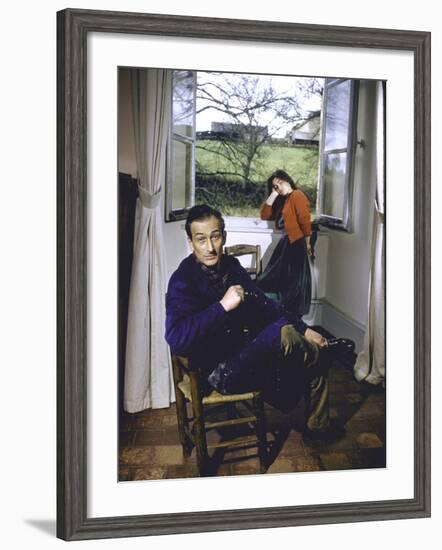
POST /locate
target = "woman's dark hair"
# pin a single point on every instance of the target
(281, 175)
(202, 212)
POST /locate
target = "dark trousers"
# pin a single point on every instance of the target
(259, 363)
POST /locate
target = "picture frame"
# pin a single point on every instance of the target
(73, 27)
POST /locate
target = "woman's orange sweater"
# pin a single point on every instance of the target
(296, 214)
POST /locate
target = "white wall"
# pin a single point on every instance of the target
(27, 221)
(345, 309)
(349, 253)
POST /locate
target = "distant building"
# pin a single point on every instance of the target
(306, 133)
(230, 131)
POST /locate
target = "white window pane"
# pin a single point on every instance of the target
(183, 102)
(181, 174)
(337, 115)
(334, 188)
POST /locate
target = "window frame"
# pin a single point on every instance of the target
(333, 222)
(172, 215)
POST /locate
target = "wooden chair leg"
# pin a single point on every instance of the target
(261, 432)
(202, 455)
(181, 410)
(183, 423)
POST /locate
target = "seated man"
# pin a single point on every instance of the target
(242, 340)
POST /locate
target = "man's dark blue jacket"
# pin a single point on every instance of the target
(197, 324)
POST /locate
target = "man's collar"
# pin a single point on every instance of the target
(215, 269)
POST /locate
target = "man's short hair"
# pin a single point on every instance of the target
(202, 212)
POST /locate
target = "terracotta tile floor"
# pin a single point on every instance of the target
(150, 448)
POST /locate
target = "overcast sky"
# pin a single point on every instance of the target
(283, 84)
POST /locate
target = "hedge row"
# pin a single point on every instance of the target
(230, 196)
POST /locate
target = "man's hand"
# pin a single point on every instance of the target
(315, 338)
(233, 297)
(290, 339)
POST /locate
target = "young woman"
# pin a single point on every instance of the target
(288, 271)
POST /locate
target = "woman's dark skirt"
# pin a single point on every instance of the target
(288, 276)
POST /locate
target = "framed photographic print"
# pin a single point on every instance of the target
(158, 113)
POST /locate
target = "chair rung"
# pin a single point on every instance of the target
(232, 422)
(215, 397)
(239, 442)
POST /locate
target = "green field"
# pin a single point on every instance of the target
(235, 197)
(300, 163)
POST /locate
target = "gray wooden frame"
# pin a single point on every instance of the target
(73, 27)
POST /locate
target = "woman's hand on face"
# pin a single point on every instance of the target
(315, 338)
(271, 198)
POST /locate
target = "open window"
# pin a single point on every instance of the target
(208, 165)
(230, 131)
(338, 142)
(180, 172)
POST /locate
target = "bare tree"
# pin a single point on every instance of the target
(254, 110)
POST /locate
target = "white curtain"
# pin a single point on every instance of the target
(370, 363)
(148, 379)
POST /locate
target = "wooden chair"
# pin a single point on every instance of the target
(193, 429)
(246, 249)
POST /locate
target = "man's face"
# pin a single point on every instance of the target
(207, 241)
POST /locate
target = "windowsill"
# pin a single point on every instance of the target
(250, 225)
(256, 225)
